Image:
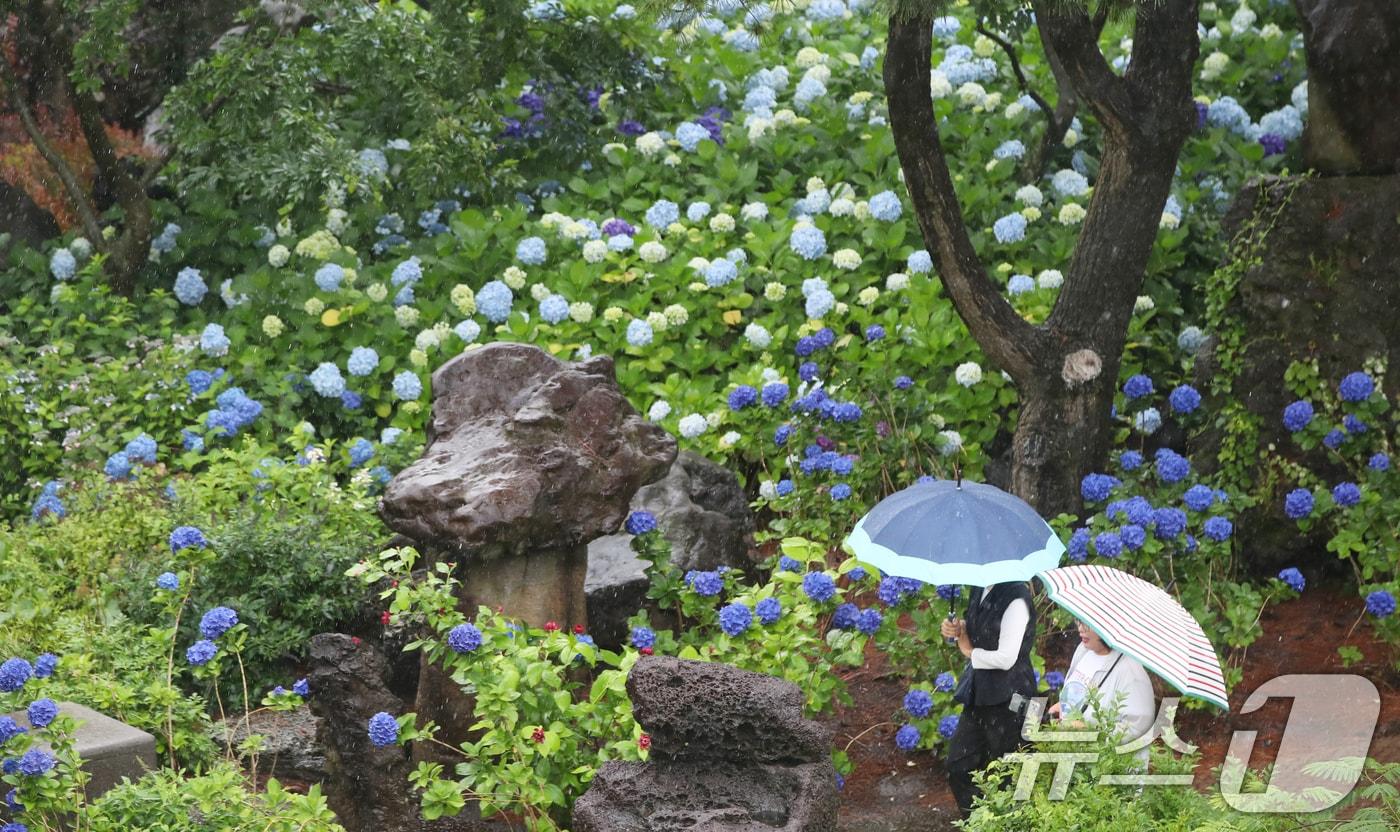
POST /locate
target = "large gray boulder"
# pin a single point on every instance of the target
(1321, 288)
(1353, 49)
(730, 752)
(704, 514)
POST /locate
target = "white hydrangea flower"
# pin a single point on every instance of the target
(650, 144)
(770, 375)
(968, 373)
(1144, 303)
(272, 326)
(652, 252)
(514, 277)
(714, 418)
(1168, 221)
(426, 340)
(949, 442)
(693, 425)
(868, 295)
(897, 282)
(754, 212)
(657, 321)
(1030, 195)
(972, 94)
(841, 207)
(314, 306)
(768, 490)
(1213, 65)
(581, 311)
(676, 315)
(722, 223)
(406, 316)
(729, 439)
(1050, 279)
(539, 291)
(278, 255)
(698, 264)
(1071, 214)
(758, 336)
(846, 259)
(377, 292)
(773, 290)
(594, 251)
(660, 409)
(809, 56)
(939, 87)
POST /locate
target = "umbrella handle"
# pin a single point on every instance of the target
(952, 616)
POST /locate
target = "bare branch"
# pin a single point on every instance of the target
(1006, 337)
(87, 214)
(1015, 66)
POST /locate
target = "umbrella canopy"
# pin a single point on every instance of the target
(946, 532)
(1143, 621)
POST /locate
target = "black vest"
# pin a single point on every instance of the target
(994, 687)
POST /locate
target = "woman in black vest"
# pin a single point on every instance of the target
(996, 638)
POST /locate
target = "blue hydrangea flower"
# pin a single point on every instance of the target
(1298, 503)
(808, 242)
(1010, 228)
(494, 301)
(190, 287)
(407, 386)
(735, 618)
(1078, 548)
(874, 332)
(690, 134)
(818, 586)
(808, 371)
(918, 702)
(213, 341)
(1132, 536)
(785, 487)
(1108, 544)
(1130, 460)
(774, 393)
(1297, 415)
(1219, 529)
(35, 762)
(819, 303)
(1095, 487)
(662, 213)
(869, 622)
(845, 616)
(947, 726)
(1020, 284)
(217, 621)
(1356, 387)
(842, 466)
(640, 522)
(1293, 578)
(464, 638)
(720, 272)
(1379, 462)
(199, 381)
(1353, 425)
(62, 264)
(14, 673)
(945, 682)
(1199, 497)
(1148, 421)
(1334, 438)
(141, 449)
(1137, 386)
(920, 262)
(907, 738)
(885, 206)
(118, 466)
(1380, 603)
(329, 276)
(326, 380)
(301, 688)
(840, 491)
(639, 333)
(768, 610)
(44, 665)
(707, 584)
(643, 637)
(742, 396)
(554, 308)
(782, 434)
(187, 537)
(1168, 523)
(383, 729)
(1171, 466)
(351, 400)
(168, 581)
(363, 361)
(857, 573)
(9, 729)
(1346, 494)
(1184, 399)
(531, 251)
(41, 712)
(697, 211)
(201, 652)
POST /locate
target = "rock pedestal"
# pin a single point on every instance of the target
(528, 459)
(730, 752)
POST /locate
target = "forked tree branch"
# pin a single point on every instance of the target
(1007, 338)
(1074, 37)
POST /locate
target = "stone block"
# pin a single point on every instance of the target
(110, 749)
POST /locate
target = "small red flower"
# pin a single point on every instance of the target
(578, 629)
(551, 627)
(384, 618)
(394, 584)
(355, 640)
(538, 735)
(646, 651)
(644, 742)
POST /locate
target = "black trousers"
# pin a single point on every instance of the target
(984, 733)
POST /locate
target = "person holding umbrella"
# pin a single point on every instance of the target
(1120, 685)
(996, 638)
(971, 534)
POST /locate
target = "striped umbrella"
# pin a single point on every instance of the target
(1143, 621)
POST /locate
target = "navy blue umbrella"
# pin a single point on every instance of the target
(947, 532)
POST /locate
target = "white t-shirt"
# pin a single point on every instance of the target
(1127, 685)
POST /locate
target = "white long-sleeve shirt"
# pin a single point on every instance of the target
(1127, 685)
(1013, 628)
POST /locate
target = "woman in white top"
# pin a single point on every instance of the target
(1119, 681)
